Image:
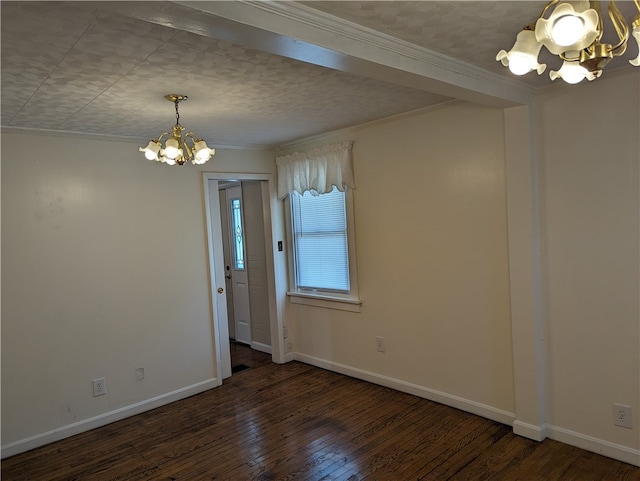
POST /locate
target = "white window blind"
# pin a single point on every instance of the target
(321, 247)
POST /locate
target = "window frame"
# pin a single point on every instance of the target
(346, 301)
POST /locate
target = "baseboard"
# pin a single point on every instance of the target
(106, 418)
(258, 346)
(457, 402)
(290, 356)
(530, 431)
(595, 445)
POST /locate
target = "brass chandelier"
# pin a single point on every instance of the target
(573, 31)
(177, 149)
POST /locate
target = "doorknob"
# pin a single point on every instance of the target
(220, 290)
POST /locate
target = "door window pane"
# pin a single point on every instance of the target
(238, 234)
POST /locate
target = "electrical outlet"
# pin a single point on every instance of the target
(99, 387)
(622, 416)
(140, 374)
(380, 344)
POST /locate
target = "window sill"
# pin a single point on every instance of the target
(328, 302)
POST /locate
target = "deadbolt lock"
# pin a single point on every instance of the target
(220, 290)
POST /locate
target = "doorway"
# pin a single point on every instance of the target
(273, 268)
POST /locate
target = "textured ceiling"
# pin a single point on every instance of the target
(470, 31)
(79, 67)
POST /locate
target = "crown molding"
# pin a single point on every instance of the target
(346, 132)
(141, 141)
(337, 26)
(370, 52)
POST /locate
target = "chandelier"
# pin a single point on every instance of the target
(573, 31)
(176, 148)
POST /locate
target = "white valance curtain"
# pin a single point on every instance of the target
(317, 170)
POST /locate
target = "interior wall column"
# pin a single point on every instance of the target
(524, 195)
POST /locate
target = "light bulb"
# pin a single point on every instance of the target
(202, 156)
(570, 72)
(171, 149)
(567, 30)
(151, 150)
(523, 56)
(571, 26)
(202, 152)
(574, 74)
(169, 161)
(522, 63)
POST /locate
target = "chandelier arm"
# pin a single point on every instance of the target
(188, 150)
(621, 29)
(161, 135)
(565, 57)
(547, 6)
(595, 5)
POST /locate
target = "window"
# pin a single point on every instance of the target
(238, 234)
(323, 264)
(322, 261)
(321, 250)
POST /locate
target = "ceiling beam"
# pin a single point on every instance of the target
(295, 31)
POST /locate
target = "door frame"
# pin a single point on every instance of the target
(276, 266)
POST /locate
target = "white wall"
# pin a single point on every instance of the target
(89, 242)
(432, 256)
(431, 235)
(590, 149)
(104, 271)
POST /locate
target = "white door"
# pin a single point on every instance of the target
(239, 278)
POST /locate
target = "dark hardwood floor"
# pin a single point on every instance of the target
(297, 422)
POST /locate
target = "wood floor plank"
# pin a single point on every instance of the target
(380, 446)
(295, 422)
